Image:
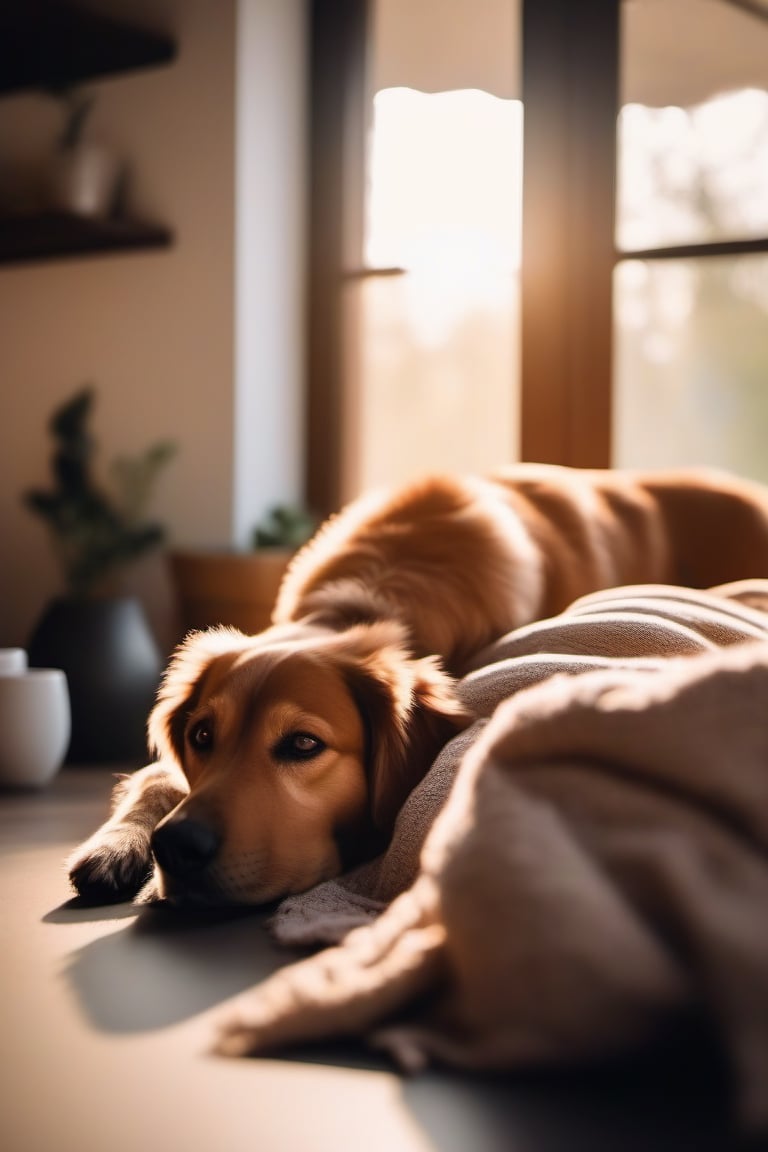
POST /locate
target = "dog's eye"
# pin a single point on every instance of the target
(201, 735)
(298, 746)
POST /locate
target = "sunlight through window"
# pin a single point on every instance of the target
(439, 344)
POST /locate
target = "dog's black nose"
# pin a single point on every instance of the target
(183, 846)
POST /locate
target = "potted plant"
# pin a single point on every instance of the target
(96, 633)
(239, 588)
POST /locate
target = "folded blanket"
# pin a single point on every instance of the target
(585, 863)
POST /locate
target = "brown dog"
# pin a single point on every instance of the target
(285, 757)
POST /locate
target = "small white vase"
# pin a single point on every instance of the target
(13, 661)
(84, 180)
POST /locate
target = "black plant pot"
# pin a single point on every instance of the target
(113, 669)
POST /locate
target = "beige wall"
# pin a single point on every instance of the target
(153, 331)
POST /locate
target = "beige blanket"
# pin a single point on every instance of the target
(585, 864)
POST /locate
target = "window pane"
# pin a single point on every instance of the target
(433, 352)
(692, 364)
(693, 129)
(440, 376)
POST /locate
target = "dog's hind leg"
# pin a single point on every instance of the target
(115, 862)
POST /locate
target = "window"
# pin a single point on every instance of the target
(691, 307)
(635, 330)
(437, 368)
(429, 245)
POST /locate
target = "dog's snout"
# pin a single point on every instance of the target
(184, 845)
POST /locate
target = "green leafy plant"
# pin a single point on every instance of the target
(284, 526)
(95, 532)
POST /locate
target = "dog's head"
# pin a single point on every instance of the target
(300, 746)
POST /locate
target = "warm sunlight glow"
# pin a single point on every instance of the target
(437, 364)
(444, 201)
(438, 357)
(694, 174)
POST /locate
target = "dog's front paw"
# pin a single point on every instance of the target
(111, 866)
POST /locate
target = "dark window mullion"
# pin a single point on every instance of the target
(570, 98)
(337, 111)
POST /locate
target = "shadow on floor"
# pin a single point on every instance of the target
(166, 966)
(78, 911)
(672, 1098)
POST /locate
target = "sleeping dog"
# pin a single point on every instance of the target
(283, 758)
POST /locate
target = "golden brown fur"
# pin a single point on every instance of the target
(462, 560)
(285, 756)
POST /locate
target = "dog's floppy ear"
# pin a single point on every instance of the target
(409, 708)
(180, 686)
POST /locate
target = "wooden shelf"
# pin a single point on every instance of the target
(50, 43)
(56, 235)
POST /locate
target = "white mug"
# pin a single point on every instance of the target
(12, 661)
(35, 726)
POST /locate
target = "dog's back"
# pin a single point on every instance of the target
(462, 560)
